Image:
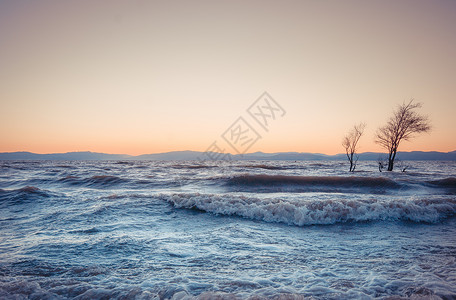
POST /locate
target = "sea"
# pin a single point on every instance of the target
(226, 230)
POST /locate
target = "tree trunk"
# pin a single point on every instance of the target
(391, 158)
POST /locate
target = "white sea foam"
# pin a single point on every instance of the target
(317, 211)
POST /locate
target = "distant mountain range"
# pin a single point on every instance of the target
(195, 155)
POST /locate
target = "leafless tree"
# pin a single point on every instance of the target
(350, 143)
(403, 125)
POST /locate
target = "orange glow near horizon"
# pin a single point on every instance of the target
(156, 76)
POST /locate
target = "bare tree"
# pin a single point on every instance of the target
(350, 143)
(403, 125)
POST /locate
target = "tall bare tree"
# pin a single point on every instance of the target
(350, 143)
(403, 125)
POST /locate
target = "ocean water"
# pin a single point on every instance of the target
(226, 230)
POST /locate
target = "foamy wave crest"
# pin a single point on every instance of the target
(316, 211)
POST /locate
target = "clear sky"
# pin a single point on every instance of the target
(141, 77)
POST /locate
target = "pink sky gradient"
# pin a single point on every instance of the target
(141, 77)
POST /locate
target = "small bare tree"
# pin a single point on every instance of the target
(403, 125)
(350, 143)
(402, 165)
(381, 163)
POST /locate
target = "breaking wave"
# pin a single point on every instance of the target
(312, 212)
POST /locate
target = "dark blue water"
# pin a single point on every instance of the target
(164, 230)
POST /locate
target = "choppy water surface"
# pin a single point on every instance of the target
(234, 230)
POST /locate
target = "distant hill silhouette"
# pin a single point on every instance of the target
(86, 155)
(195, 155)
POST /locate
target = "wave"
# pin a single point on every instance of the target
(183, 166)
(25, 190)
(128, 163)
(317, 211)
(110, 181)
(94, 181)
(91, 230)
(24, 194)
(312, 180)
(264, 166)
(449, 182)
(102, 180)
(290, 183)
(65, 166)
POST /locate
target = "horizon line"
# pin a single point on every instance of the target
(233, 154)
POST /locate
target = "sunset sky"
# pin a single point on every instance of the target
(139, 77)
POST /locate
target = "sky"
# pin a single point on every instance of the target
(138, 77)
